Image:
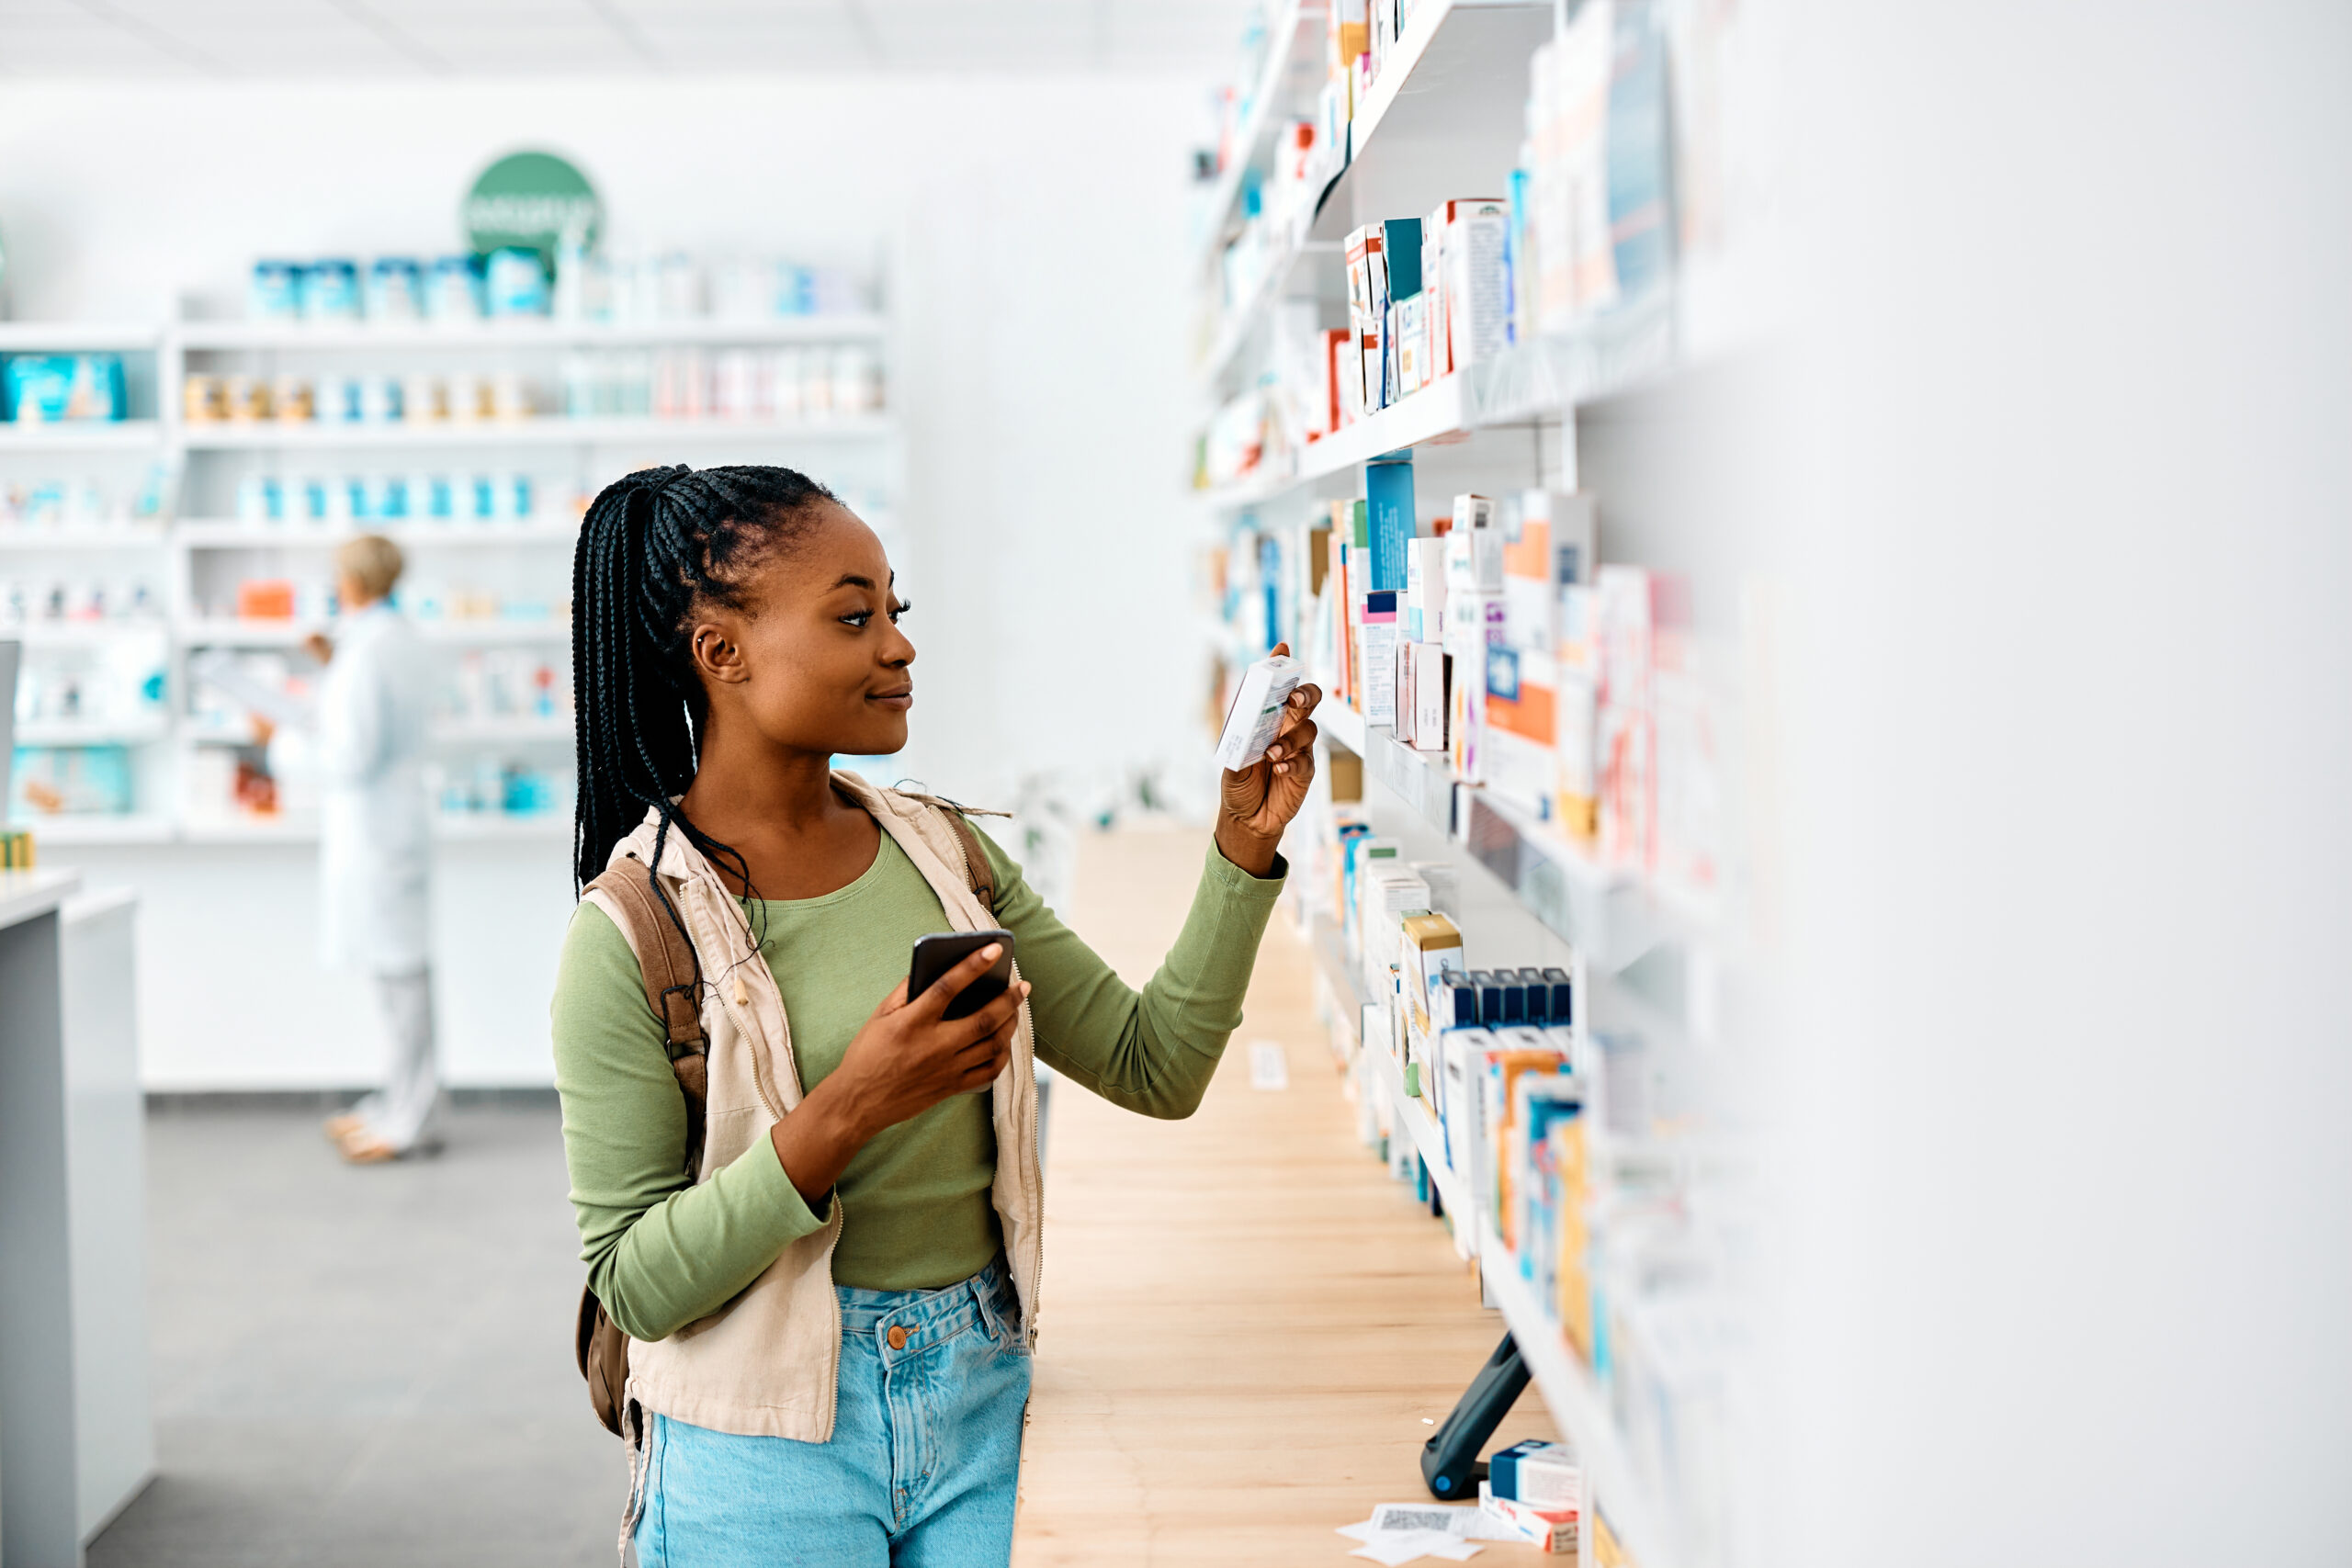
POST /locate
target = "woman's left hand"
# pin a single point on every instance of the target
(1258, 802)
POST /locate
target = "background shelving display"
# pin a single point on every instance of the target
(112, 610)
(1450, 112)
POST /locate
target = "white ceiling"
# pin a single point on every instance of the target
(298, 39)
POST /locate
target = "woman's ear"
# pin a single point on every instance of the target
(717, 653)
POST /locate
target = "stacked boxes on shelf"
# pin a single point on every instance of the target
(1489, 639)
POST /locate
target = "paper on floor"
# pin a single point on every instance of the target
(1269, 1065)
(1404, 1532)
(1464, 1521)
(1394, 1547)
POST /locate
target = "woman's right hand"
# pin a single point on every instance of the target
(909, 1056)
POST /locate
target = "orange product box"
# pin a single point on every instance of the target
(266, 599)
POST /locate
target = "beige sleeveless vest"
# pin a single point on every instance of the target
(767, 1363)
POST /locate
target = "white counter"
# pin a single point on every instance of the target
(76, 1442)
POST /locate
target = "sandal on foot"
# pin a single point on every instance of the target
(361, 1146)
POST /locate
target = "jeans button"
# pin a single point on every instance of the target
(897, 1336)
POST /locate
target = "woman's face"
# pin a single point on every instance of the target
(815, 661)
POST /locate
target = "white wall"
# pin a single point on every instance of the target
(1040, 223)
(2066, 1199)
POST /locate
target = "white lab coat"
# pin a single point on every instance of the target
(366, 749)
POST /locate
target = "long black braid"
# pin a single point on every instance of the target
(654, 548)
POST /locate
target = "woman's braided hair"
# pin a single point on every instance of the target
(654, 548)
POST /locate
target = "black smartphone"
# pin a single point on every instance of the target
(937, 954)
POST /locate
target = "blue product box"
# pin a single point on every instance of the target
(452, 291)
(1388, 505)
(514, 283)
(396, 289)
(1490, 996)
(1539, 996)
(329, 290)
(48, 389)
(275, 293)
(1560, 1008)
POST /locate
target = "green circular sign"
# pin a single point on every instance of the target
(531, 200)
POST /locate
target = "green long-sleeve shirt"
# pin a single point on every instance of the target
(915, 1208)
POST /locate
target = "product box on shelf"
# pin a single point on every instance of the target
(1388, 893)
(58, 388)
(1625, 725)
(1424, 665)
(1467, 282)
(1519, 1051)
(1425, 587)
(1432, 951)
(1388, 506)
(1375, 663)
(1446, 888)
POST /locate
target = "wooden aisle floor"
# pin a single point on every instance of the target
(1247, 1325)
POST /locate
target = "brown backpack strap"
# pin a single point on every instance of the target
(673, 983)
(977, 867)
(673, 992)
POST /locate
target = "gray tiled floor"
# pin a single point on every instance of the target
(364, 1366)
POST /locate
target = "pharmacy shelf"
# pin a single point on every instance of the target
(1285, 88)
(1407, 1113)
(225, 632)
(1546, 378)
(82, 537)
(446, 826)
(1433, 413)
(1451, 97)
(1444, 117)
(1576, 1403)
(90, 732)
(96, 829)
(224, 536)
(1243, 324)
(248, 830)
(1335, 720)
(513, 731)
(78, 337)
(487, 632)
(94, 435)
(539, 333)
(78, 633)
(537, 826)
(444, 732)
(1323, 941)
(1612, 915)
(543, 431)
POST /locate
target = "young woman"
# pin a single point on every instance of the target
(830, 1320)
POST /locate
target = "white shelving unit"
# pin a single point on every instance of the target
(1445, 119)
(552, 430)
(184, 563)
(864, 327)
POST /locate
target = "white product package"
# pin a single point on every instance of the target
(1256, 717)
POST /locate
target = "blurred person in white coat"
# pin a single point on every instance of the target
(365, 750)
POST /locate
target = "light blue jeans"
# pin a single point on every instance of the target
(922, 1469)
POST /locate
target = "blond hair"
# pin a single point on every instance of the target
(372, 561)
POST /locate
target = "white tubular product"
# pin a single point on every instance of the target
(1256, 714)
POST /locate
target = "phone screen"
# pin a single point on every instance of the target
(942, 951)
